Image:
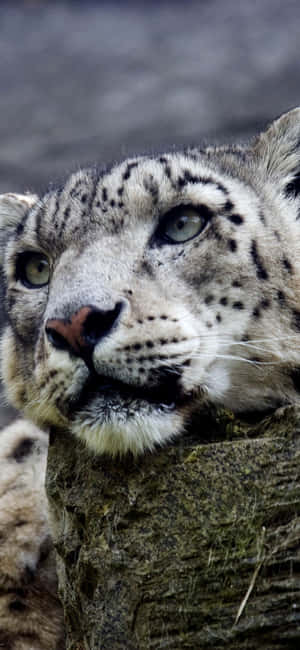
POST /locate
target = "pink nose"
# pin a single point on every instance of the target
(83, 330)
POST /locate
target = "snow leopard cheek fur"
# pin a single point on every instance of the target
(19, 376)
(15, 380)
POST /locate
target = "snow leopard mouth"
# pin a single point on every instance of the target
(166, 394)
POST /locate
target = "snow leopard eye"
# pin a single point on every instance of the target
(33, 270)
(182, 223)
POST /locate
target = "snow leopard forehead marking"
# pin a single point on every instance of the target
(126, 194)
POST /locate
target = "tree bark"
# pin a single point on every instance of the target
(194, 546)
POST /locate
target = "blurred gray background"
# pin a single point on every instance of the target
(95, 81)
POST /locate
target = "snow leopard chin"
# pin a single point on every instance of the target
(118, 436)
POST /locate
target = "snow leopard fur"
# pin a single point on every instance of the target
(30, 613)
(136, 292)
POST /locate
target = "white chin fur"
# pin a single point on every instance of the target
(136, 434)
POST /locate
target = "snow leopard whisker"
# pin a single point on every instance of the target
(251, 346)
(232, 357)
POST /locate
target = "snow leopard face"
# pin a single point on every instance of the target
(135, 293)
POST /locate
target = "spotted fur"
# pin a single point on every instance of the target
(30, 613)
(133, 330)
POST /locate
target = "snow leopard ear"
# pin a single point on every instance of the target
(277, 150)
(13, 207)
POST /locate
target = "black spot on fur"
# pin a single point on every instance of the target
(224, 301)
(168, 171)
(287, 265)
(129, 168)
(187, 178)
(256, 312)
(94, 192)
(281, 298)
(120, 191)
(296, 319)
(228, 206)
(21, 225)
(238, 305)
(112, 203)
(261, 272)
(64, 221)
(23, 449)
(20, 228)
(204, 180)
(209, 299)
(67, 212)
(277, 235)
(237, 219)
(232, 245)
(104, 194)
(293, 188)
(218, 318)
(221, 187)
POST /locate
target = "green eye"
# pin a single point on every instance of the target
(183, 223)
(33, 270)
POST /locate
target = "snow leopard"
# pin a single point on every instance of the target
(30, 613)
(137, 292)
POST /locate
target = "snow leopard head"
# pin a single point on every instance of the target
(134, 293)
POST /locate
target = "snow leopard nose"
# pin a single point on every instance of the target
(83, 329)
